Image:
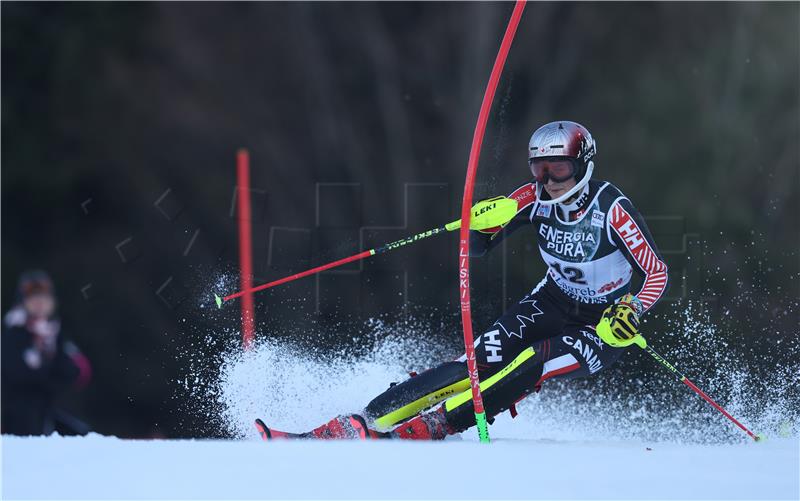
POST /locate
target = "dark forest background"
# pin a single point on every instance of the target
(120, 123)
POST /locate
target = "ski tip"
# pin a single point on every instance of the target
(218, 300)
(263, 431)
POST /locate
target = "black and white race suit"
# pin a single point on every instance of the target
(592, 248)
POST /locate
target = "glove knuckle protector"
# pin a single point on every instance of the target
(619, 325)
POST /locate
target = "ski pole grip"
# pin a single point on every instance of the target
(489, 213)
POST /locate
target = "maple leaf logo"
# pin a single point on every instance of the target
(516, 330)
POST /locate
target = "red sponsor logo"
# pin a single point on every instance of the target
(522, 194)
(609, 286)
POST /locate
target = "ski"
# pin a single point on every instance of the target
(268, 433)
(352, 427)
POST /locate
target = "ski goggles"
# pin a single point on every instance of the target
(557, 169)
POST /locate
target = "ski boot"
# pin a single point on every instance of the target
(429, 426)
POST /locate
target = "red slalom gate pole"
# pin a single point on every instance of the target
(466, 204)
(245, 245)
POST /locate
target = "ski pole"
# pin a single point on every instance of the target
(642, 343)
(485, 214)
(466, 204)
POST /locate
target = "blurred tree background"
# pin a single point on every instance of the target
(120, 122)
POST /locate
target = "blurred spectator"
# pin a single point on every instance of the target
(37, 363)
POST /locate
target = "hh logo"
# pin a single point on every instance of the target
(627, 229)
(631, 234)
(492, 345)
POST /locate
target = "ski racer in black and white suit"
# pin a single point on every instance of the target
(593, 240)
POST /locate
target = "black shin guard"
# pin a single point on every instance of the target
(500, 391)
(405, 400)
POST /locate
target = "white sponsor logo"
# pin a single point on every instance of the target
(630, 233)
(567, 243)
(521, 319)
(543, 211)
(598, 218)
(584, 295)
(594, 337)
(492, 345)
(586, 351)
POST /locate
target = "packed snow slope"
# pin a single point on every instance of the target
(632, 431)
(97, 467)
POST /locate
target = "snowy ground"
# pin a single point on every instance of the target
(97, 467)
(609, 437)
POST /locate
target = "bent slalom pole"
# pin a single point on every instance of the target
(463, 249)
(485, 214)
(642, 343)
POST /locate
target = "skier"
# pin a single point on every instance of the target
(574, 323)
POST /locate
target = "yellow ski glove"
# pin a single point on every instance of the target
(619, 325)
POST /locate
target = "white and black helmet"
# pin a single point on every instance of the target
(564, 139)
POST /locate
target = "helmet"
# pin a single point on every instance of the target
(568, 140)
